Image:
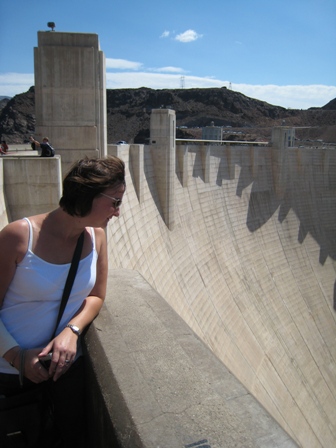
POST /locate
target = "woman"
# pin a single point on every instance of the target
(35, 255)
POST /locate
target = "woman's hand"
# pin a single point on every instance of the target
(33, 369)
(63, 348)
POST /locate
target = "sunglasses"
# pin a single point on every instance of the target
(116, 202)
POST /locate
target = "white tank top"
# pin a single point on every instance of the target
(31, 304)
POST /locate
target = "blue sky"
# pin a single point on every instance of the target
(282, 52)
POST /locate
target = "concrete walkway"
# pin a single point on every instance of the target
(161, 386)
(19, 150)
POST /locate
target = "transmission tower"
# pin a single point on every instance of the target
(182, 82)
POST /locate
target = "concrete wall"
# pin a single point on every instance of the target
(250, 267)
(32, 185)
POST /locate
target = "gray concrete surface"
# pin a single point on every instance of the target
(32, 184)
(250, 266)
(162, 387)
(70, 100)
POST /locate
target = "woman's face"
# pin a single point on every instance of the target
(106, 205)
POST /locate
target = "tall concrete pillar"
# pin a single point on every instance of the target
(163, 150)
(283, 137)
(70, 94)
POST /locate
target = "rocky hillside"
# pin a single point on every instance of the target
(17, 117)
(128, 115)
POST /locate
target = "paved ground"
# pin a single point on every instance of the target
(19, 150)
(161, 386)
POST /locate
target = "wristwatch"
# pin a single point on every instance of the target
(75, 329)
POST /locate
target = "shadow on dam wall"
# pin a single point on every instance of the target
(250, 267)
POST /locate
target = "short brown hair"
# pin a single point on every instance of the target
(86, 179)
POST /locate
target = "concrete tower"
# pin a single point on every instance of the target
(70, 94)
(162, 140)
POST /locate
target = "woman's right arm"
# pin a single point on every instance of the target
(13, 246)
(35, 141)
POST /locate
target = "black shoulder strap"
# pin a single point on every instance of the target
(70, 279)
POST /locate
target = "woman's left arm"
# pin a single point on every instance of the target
(64, 346)
(93, 303)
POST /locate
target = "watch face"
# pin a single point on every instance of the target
(74, 328)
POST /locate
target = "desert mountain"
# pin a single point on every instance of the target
(128, 115)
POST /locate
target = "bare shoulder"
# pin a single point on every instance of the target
(100, 233)
(14, 238)
(15, 230)
(100, 236)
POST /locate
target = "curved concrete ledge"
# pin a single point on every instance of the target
(159, 385)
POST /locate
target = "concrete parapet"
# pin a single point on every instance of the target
(160, 385)
(121, 151)
(32, 185)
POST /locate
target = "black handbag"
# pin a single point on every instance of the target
(26, 418)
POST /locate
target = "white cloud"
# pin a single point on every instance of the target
(122, 64)
(165, 34)
(142, 79)
(13, 83)
(169, 70)
(188, 36)
(290, 96)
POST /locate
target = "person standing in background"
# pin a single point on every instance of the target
(46, 149)
(3, 147)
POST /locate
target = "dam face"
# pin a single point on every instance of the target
(249, 264)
